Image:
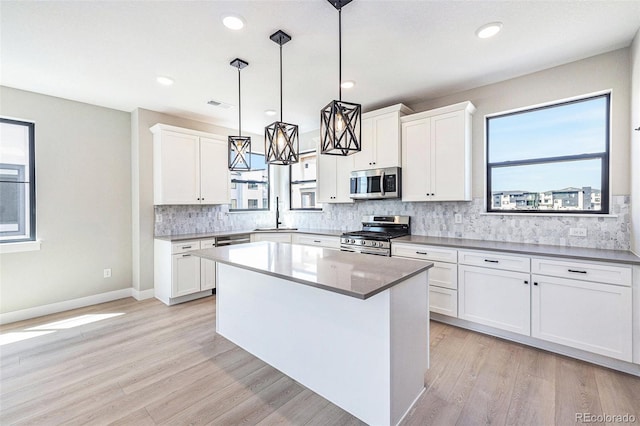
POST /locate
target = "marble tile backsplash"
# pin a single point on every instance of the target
(431, 219)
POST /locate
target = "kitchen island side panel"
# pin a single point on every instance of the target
(338, 346)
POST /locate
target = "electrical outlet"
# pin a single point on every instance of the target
(107, 273)
(457, 218)
(220, 215)
(158, 218)
(578, 232)
(329, 215)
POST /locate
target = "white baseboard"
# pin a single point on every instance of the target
(38, 311)
(141, 295)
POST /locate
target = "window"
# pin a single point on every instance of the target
(303, 185)
(248, 187)
(551, 159)
(17, 181)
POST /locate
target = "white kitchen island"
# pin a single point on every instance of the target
(353, 328)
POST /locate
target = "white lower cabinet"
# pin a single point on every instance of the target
(207, 268)
(495, 298)
(178, 275)
(591, 316)
(443, 276)
(274, 237)
(324, 241)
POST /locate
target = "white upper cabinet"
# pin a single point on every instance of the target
(436, 154)
(189, 167)
(380, 138)
(333, 174)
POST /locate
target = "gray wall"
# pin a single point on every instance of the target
(83, 187)
(602, 72)
(635, 144)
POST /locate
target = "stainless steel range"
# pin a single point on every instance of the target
(376, 235)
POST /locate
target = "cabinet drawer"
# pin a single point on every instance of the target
(317, 240)
(443, 301)
(210, 243)
(444, 275)
(184, 246)
(494, 260)
(604, 273)
(418, 251)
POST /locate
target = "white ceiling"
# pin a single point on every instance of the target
(109, 53)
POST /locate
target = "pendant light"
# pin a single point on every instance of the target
(281, 139)
(239, 146)
(340, 121)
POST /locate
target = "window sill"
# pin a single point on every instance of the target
(556, 215)
(20, 247)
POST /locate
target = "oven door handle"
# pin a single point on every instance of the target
(382, 184)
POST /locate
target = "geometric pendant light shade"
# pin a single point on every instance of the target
(280, 138)
(239, 146)
(340, 132)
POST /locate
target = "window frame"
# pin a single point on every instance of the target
(298, 182)
(249, 181)
(604, 157)
(31, 215)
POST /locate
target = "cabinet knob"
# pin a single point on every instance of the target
(526, 282)
(535, 283)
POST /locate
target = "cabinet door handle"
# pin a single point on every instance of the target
(491, 261)
(186, 255)
(577, 271)
(526, 282)
(422, 252)
(535, 283)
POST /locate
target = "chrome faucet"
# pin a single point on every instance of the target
(278, 223)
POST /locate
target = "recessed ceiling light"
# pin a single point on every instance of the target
(233, 22)
(489, 30)
(165, 81)
(348, 84)
(270, 112)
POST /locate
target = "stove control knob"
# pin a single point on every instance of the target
(352, 241)
(362, 242)
(373, 244)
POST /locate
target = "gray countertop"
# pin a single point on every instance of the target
(617, 256)
(183, 237)
(342, 272)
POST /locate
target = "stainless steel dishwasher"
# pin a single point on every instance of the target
(229, 240)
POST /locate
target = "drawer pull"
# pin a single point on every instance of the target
(577, 271)
(186, 255)
(491, 261)
(422, 252)
(317, 241)
(186, 247)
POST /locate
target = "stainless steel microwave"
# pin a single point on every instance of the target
(376, 184)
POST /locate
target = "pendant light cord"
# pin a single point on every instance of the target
(280, 82)
(340, 54)
(239, 107)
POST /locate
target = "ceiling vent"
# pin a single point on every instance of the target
(219, 104)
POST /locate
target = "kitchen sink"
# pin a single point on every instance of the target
(275, 229)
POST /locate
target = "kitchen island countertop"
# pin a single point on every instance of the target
(341, 272)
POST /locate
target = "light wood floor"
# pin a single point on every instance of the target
(165, 365)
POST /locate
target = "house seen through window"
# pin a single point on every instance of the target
(551, 159)
(250, 189)
(17, 181)
(303, 186)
